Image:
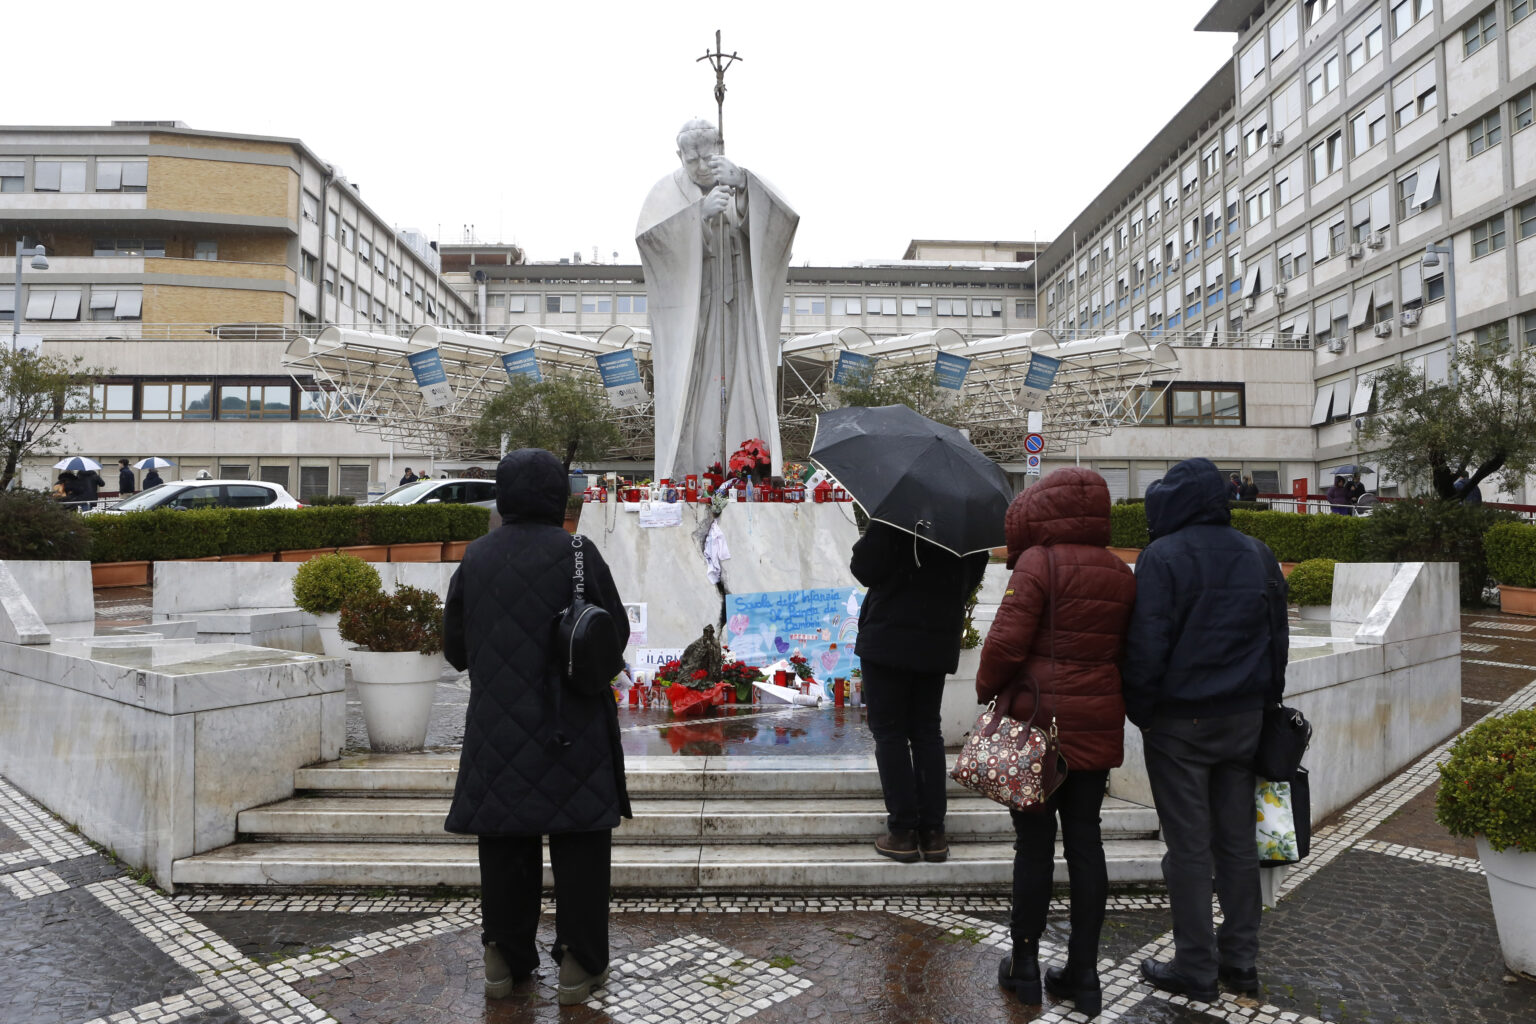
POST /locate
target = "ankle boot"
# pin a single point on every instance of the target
(1077, 983)
(1020, 973)
(899, 844)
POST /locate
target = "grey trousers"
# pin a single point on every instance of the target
(1202, 780)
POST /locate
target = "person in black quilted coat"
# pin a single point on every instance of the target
(538, 759)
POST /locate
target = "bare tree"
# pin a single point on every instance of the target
(40, 397)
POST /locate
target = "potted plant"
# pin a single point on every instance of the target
(1311, 588)
(325, 583)
(396, 655)
(1488, 792)
(1511, 552)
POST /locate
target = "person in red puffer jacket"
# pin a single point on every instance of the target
(1061, 625)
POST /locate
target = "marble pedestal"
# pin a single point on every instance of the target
(773, 546)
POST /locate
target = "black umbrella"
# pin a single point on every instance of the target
(916, 475)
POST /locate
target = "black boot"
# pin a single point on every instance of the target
(1079, 984)
(1020, 973)
(899, 844)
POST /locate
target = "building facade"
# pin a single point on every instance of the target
(182, 262)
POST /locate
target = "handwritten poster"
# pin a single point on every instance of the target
(821, 625)
(660, 514)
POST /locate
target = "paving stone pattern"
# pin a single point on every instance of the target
(1388, 921)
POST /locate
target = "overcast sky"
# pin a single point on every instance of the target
(545, 124)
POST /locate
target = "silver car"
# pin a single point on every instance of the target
(188, 494)
(454, 491)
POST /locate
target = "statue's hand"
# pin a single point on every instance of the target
(716, 202)
(727, 173)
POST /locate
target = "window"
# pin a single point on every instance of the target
(846, 306)
(1425, 190)
(176, 401)
(205, 250)
(332, 222)
(117, 303)
(1369, 213)
(348, 233)
(348, 292)
(949, 307)
(1363, 41)
(1255, 135)
(12, 175)
(255, 402)
(53, 304)
(986, 307)
(1323, 78)
(1518, 9)
(1287, 107)
(308, 266)
(121, 176)
(629, 304)
(1293, 258)
(102, 402)
(1282, 33)
(1493, 337)
(1258, 206)
(1407, 189)
(1197, 405)
(129, 247)
(1327, 156)
(1368, 127)
(1024, 309)
(1413, 95)
(1528, 330)
(559, 303)
(58, 176)
(597, 304)
(1210, 163)
(1525, 216)
(1484, 133)
(309, 207)
(1229, 143)
(1251, 64)
(1479, 32)
(1520, 110)
(1316, 9)
(1488, 236)
(1408, 13)
(364, 249)
(362, 307)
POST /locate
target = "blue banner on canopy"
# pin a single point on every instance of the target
(621, 376)
(852, 367)
(427, 368)
(1042, 372)
(522, 364)
(950, 370)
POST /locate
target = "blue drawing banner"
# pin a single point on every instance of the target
(821, 625)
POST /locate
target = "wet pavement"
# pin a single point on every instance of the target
(1388, 921)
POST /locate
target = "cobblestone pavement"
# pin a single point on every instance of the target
(1388, 921)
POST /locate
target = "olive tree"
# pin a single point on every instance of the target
(41, 396)
(570, 416)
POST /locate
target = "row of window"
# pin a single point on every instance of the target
(1191, 404)
(104, 303)
(75, 175)
(197, 400)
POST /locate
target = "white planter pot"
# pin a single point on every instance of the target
(1512, 887)
(958, 708)
(1316, 612)
(396, 688)
(327, 623)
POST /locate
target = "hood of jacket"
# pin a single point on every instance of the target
(532, 486)
(1192, 492)
(1068, 506)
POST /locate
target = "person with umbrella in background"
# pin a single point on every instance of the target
(936, 508)
(151, 467)
(87, 480)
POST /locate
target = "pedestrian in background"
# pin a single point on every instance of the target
(1250, 491)
(1338, 497)
(91, 484)
(152, 478)
(1061, 627)
(124, 479)
(1470, 493)
(539, 759)
(910, 628)
(408, 477)
(1206, 651)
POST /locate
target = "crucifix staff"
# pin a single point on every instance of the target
(720, 61)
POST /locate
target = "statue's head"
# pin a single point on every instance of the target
(696, 143)
(709, 632)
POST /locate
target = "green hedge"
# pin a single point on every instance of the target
(1511, 552)
(1293, 537)
(163, 533)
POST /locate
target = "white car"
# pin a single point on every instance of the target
(454, 491)
(188, 494)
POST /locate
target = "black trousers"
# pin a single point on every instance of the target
(1077, 801)
(1201, 770)
(511, 879)
(903, 715)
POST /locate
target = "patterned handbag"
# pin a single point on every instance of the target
(1015, 763)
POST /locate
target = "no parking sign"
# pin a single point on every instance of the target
(1032, 465)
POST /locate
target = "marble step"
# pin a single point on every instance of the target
(717, 819)
(644, 868)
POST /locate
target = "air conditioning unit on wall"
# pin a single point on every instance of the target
(1377, 240)
(1409, 317)
(1277, 139)
(1357, 252)
(1336, 345)
(1383, 329)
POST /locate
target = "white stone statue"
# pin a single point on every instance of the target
(705, 213)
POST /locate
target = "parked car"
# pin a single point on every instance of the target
(185, 494)
(454, 491)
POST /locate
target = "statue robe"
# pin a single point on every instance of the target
(688, 308)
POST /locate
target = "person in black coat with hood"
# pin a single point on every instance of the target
(538, 758)
(1206, 652)
(910, 627)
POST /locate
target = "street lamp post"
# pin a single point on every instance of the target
(1432, 254)
(39, 262)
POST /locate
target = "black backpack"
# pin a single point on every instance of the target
(586, 643)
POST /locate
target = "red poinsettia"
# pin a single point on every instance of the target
(752, 453)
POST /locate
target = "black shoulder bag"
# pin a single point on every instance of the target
(586, 641)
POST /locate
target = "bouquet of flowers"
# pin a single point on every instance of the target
(801, 666)
(741, 676)
(753, 455)
(667, 674)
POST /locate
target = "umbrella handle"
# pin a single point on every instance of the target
(916, 527)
